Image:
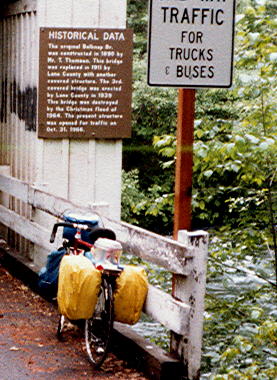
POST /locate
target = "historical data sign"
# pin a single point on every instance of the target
(191, 43)
(85, 83)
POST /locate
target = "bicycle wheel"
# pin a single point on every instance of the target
(98, 329)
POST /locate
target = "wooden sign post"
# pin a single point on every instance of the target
(184, 160)
(197, 52)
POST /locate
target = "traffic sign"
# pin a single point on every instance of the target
(190, 43)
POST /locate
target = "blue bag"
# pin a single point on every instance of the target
(48, 276)
(91, 220)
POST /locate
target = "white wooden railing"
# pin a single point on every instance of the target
(181, 313)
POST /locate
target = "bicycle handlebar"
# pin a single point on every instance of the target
(67, 224)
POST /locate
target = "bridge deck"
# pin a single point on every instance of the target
(28, 345)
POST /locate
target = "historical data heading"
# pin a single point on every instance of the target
(85, 83)
(190, 43)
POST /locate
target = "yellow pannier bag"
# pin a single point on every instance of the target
(78, 287)
(130, 294)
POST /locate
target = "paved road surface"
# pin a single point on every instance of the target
(28, 345)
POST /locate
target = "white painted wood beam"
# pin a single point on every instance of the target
(29, 230)
(170, 312)
(170, 254)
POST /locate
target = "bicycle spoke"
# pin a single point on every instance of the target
(60, 327)
(98, 328)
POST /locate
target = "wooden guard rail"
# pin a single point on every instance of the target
(181, 313)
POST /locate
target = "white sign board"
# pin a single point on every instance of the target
(190, 43)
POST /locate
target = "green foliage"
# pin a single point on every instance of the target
(153, 113)
(235, 134)
(234, 186)
(240, 321)
(131, 196)
(138, 204)
(137, 20)
(153, 109)
(234, 175)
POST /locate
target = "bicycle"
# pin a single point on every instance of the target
(98, 329)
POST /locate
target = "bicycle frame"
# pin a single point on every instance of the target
(98, 328)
